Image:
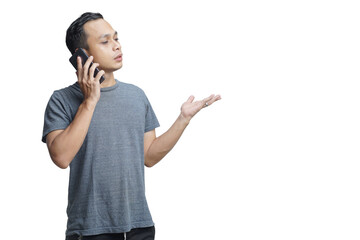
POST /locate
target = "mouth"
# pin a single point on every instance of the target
(118, 57)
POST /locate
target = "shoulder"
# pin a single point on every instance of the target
(68, 98)
(67, 94)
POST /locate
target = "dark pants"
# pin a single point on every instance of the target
(135, 234)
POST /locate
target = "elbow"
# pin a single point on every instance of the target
(62, 166)
(60, 162)
(152, 160)
(60, 158)
(149, 164)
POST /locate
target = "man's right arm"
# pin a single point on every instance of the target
(64, 144)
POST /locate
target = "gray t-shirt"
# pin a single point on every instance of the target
(106, 185)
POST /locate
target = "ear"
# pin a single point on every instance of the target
(86, 51)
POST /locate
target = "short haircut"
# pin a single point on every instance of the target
(75, 34)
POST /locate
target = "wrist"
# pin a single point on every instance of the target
(89, 104)
(184, 120)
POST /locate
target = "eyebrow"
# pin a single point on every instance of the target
(107, 35)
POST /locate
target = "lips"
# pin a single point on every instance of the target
(118, 57)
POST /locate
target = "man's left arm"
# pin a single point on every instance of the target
(155, 148)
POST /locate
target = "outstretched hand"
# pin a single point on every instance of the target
(190, 108)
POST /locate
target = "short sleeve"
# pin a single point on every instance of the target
(151, 121)
(55, 115)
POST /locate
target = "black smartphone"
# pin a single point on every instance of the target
(80, 52)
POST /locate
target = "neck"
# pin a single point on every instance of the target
(109, 80)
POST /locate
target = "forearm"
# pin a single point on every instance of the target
(66, 145)
(164, 143)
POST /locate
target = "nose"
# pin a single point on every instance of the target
(116, 46)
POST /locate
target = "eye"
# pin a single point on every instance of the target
(116, 39)
(105, 42)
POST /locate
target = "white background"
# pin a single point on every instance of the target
(276, 158)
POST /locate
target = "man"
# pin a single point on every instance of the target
(106, 133)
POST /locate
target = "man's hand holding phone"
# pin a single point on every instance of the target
(89, 85)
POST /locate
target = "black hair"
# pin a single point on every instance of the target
(75, 34)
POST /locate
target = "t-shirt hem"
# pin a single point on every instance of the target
(46, 132)
(106, 230)
(152, 127)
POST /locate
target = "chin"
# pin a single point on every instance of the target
(118, 66)
(113, 68)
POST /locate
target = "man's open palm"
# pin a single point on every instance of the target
(190, 108)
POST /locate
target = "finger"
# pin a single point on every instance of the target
(98, 75)
(86, 67)
(190, 99)
(205, 100)
(79, 65)
(79, 68)
(214, 99)
(92, 70)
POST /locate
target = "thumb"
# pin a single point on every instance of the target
(190, 99)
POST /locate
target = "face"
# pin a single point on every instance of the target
(103, 45)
